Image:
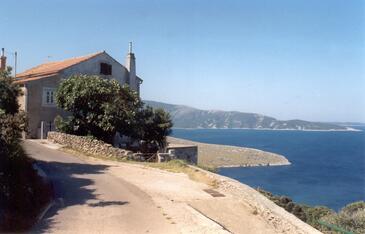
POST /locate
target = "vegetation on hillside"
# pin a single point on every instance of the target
(22, 192)
(189, 117)
(351, 218)
(101, 108)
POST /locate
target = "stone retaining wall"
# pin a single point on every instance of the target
(88, 145)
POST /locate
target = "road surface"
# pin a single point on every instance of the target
(88, 199)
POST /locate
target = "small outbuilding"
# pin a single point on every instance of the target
(188, 153)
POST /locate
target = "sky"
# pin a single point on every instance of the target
(301, 59)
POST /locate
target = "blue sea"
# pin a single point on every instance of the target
(328, 168)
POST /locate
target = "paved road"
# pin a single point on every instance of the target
(88, 199)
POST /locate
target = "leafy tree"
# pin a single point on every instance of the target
(8, 93)
(153, 125)
(98, 107)
(12, 122)
(101, 107)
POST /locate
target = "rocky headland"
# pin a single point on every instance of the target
(213, 155)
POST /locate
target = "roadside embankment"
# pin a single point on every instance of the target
(213, 155)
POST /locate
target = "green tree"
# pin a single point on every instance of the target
(9, 93)
(98, 107)
(12, 122)
(152, 126)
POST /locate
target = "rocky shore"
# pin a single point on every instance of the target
(213, 155)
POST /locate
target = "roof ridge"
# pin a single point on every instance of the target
(82, 56)
(54, 67)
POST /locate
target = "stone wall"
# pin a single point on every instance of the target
(90, 146)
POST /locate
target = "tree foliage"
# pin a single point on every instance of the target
(153, 125)
(12, 122)
(98, 107)
(22, 192)
(8, 93)
(101, 107)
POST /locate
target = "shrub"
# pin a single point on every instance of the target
(314, 214)
(8, 93)
(22, 192)
(152, 126)
(350, 218)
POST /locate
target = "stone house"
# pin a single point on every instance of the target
(40, 83)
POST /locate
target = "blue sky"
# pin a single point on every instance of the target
(287, 59)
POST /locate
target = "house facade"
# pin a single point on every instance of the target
(39, 85)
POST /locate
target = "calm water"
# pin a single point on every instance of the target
(328, 168)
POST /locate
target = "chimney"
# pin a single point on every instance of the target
(2, 60)
(131, 67)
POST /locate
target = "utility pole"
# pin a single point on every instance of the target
(16, 62)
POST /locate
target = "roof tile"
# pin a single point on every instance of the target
(51, 68)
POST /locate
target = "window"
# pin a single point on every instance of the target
(48, 97)
(105, 69)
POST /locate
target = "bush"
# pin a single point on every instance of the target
(11, 127)
(152, 126)
(314, 214)
(350, 218)
(22, 192)
(8, 93)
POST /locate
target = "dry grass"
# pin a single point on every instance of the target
(180, 166)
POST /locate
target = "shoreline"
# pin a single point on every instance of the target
(219, 156)
(257, 165)
(270, 129)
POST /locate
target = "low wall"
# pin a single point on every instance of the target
(88, 145)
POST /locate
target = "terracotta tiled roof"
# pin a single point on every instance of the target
(51, 68)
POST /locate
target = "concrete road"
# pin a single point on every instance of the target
(88, 199)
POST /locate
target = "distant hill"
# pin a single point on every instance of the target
(189, 117)
(351, 124)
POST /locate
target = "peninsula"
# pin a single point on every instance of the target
(213, 155)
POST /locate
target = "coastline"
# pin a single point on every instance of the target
(256, 165)
(214, 155)
(348, 129)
